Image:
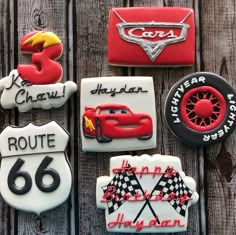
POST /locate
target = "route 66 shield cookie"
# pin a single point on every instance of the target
(35, 173)
(151, 36)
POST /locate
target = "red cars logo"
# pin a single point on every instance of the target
(151, 36)
(108, 121)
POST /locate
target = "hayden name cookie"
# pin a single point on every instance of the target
(151, 36)
(117, 113)
(200, 109)
(146, 194)
(35, 173)
(33, 85)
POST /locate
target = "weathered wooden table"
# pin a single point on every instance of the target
(82, 26)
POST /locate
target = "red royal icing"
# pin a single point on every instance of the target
(139, 224)
(45, 47)
(144, 170)
(169, 30)
(116, 121)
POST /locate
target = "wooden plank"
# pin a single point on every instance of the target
(91, 34)
(72, 114)
(52, 16)
(218, 53)
(4, 115)
(164, 79)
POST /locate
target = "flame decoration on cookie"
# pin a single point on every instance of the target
(37, 84)
(46, 38)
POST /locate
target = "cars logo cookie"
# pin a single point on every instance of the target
(146, 194)
(35, 85)
(35, 173)
(114, 116)
(151, 36)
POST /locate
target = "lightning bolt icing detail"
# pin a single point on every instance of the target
(47, 38)
(89, 124)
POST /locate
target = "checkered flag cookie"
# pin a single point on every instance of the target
(124, 183)
(176, 185)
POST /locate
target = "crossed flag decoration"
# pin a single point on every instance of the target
(127, 183)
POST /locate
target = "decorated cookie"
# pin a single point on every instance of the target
(117, 113)
(151, 36)
(25, 96)
(35, 173)
(45, 47)
(33, 85)
(200, 109)
(146, 194)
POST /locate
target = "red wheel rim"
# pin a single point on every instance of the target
(203, 108)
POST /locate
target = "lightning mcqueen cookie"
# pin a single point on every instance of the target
(151, 36)
(117, 114)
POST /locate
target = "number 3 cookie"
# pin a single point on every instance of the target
(33, 86)
(35, 173)
(45, 47)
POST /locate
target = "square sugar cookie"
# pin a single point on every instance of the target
(117, 114)
(151, 36)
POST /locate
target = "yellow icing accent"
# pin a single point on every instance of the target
(89, 124)
(47, 38)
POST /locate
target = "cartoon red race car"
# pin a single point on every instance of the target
(108, 121)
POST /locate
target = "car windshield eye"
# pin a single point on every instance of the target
(112, 111)
(123, 111)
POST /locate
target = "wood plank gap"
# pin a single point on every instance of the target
(72, 120)
(68, 71)
(202, 192)
(201, 159)
(13, 52)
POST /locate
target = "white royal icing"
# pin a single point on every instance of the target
(135, 195)
(25, 96)
(135, 94)
(31, 146)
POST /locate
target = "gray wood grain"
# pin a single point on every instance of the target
(91, 58)
(5, 212)
(167, 143)
(51, 16)
(82, 26)
(218, 52)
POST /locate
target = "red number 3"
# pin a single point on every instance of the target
(45, 47)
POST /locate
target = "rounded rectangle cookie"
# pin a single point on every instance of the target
(151, 36)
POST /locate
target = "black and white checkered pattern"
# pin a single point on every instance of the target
(176, 185)
(125, 183)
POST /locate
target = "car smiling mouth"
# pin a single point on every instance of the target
(128, 126)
